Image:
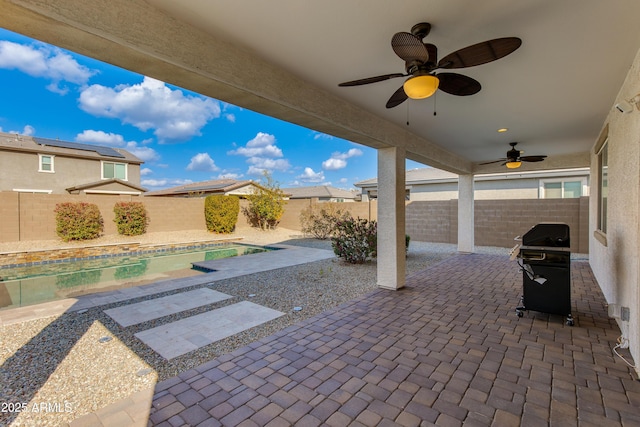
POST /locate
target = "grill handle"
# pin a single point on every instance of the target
(542, 257)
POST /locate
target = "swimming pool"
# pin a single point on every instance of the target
(33, 284)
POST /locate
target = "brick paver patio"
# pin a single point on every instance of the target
(446, 350)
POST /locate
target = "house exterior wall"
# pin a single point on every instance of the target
(507, 189)
(497, 189)
(20, 171)
(614, 256)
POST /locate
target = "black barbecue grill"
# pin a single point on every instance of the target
(545, 256)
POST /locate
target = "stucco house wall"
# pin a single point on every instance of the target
(614, 254)
(20, 167)
(428, 184)
(483, 190)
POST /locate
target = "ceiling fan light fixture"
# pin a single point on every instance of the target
(513, 164)
(421, 86)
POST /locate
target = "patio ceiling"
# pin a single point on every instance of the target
(285, 58)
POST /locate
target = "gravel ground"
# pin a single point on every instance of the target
(60, 360)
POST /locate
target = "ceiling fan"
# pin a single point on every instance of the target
(514, 159)
(421, 61)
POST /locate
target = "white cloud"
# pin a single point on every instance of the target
(151, 105)
(334, 164)
(320, 135)
(202, 162)
(99, 137)
(145, 171)
(260, 165)
(28, 130)
(45, 62)
(262, 154)
(310, 176)
(229, 175)
(263, 145)
(146, 154)
(338, 160)
(230, 117)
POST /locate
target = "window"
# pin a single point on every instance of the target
(45, 163)
(114, 170)
(563, 189)
(603, 182)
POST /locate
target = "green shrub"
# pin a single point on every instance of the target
(78, 221)
(221, 213)
(131, 218)
(319, 220)
(266, 205)
(355, 240)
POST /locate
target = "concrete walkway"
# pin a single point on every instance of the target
(446, 350)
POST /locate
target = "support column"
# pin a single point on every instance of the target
(391, 218)
(465, 214)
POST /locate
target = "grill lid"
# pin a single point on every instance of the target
(548, 234)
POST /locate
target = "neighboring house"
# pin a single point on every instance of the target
(206, 188)
(39, 165)
(436, 184)
(323, 193)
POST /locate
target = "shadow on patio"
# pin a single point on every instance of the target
(448, 349)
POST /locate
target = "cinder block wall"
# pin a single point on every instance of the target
(293, 208)
(432, 221)
(497, 222)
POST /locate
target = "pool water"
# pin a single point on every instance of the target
(21, 286)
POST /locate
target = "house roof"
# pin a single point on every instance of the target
(432, 176)
(107, 183)
(320, 191)
(215, 186)
(28, 144)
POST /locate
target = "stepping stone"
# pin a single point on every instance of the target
(185, 335)
(133, 314)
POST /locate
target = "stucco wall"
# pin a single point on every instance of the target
(614, 258)
(68, 172)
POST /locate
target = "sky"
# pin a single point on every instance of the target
(181, 136)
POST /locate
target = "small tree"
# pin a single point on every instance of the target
(131, 218)
(78, 221)
(319, 220)
(266, 204)
(221, 213)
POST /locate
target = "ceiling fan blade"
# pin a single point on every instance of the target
(480, 53)
(372, 79)
(532, 158)
(495, 161)
(397, 98)
(409, 47)
(457, 84)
